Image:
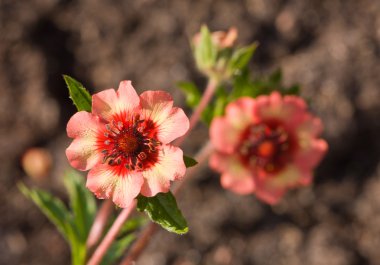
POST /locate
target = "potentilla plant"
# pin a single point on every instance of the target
(263, 141)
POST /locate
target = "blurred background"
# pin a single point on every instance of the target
(330, 47)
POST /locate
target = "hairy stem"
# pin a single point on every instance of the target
(205, 100)
(111, 235)
(99, 223)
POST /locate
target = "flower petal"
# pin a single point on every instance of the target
(224, 136)
(240, 113)
(171, 122)
(107, 103)
(170, 166)
(270, 188)
(290, 110)
(310, 153)
(239, 184)
(83, 124)
(81, 153)
(114, 182)
(235, 177)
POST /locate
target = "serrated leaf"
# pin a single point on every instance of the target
(82, 203)
(117, 249)
(205, 51)
(241, 57)
(193, 96)
(163, 210)
(189, 161)
(78, 93)
(53, 208)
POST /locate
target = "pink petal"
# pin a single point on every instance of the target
(224, 136)
(107, 103)
(238, 184)
(235, 176)
(83, 124)
(171, 122)
(240, 113)
(114, 182)
(270, 188)
(82, 153)
(310, 150)
(290, 110)
(310, 154)
(169, 167)
(270, 196)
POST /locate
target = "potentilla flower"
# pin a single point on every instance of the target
(266, 145)
(125, 143)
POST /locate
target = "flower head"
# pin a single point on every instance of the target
(125, 143)
(266, 145)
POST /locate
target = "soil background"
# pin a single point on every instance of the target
(330, 47)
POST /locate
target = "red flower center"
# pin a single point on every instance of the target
(132, 144)
(265, 146)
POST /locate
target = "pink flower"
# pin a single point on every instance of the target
(124, 143)
(266, 145)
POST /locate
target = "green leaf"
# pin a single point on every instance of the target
(163, 209)
(189, 161)
(117, 249)
(53, 208)
(82, 203)
(207, 114)
(205, 52)
(275, 78)
(133, 224)
(78, 94)
(220, 104)
(241, 57)
(293, 90)
(193, 96)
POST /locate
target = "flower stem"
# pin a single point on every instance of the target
(140, 244)
(205, 100)
(111, 235)
(99, 224)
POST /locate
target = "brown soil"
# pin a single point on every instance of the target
(330, 47)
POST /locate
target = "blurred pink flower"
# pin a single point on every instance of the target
(266, 145)
(124, 143)
(221, 39)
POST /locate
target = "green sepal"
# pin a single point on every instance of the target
(189, 161)
(78, 94)
(241, 57)
(205, 51)
(163, 210)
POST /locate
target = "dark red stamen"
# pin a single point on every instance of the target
(132, 144)
(265, 146)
